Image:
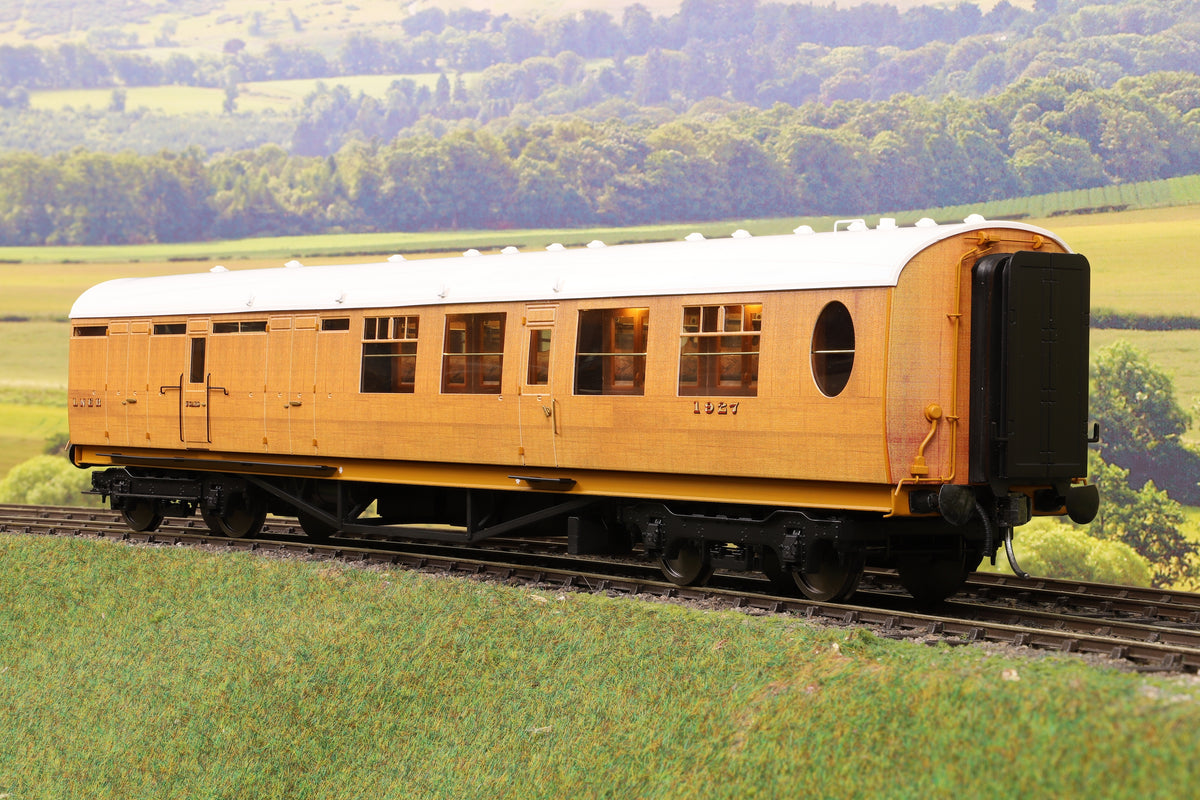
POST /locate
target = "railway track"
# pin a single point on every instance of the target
(1144, 629)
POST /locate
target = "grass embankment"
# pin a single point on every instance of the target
(179, 673)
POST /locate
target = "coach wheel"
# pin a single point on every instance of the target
(686, 563)
(831, 578)
(933, 578)
(142, 515)
(243, 517)
(314, 528)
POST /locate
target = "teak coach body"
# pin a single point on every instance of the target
(793, 404)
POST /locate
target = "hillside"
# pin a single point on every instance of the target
(467, 119)
(206, 25)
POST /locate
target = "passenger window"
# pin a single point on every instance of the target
(610, 356)
(252, 326)
(539, 357)
(718, 350)
(389, 355)
(473, 353)
(833, 349)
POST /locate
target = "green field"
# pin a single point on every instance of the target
(256, 96)
(1142, 261)
(33, 384)
(170, 672)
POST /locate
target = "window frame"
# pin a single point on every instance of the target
(716, 340)
(611, 366)
(389, 354)
(481, 369)
(831, 353)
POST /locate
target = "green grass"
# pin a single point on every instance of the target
(138, 673)
(1141, 260)
(330, 246)
(25, 429)
(33, 388)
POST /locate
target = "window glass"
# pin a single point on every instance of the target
(170, 328)
(539, 357)
(473, 353)
(91, 330)
(249, 326)
(336, 324)
(718, 350)
(610, 354)
(196, 373)
(833, 349)
(389, 354)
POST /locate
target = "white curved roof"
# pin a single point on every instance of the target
(841, 259)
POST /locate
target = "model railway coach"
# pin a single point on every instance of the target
(798, 405)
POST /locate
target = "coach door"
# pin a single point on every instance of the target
(539, 409)
(195, 411)
(290, 401)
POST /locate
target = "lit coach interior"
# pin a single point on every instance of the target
(798, 405)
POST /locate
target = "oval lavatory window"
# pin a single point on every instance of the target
(833, 349)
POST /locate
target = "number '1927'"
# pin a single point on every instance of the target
(720, 409)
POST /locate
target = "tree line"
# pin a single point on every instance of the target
(850, 157)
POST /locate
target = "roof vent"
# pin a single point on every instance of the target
(555, 247)
(694, 237)
(886, 224)
(926, 222)
(218, 268)
(851, 224)
(472, 253)
(803, 230)
(293, 264)
(595, 243)
(509, 251)
(974, 219)
(396, 259)
(741, 233)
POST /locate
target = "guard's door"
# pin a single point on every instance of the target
(195, 411)
(540, 423)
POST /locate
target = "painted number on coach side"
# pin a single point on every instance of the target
(720, 409)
